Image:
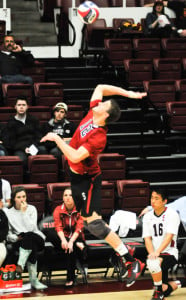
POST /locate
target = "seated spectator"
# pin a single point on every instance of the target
(3, 233)
(3, 150)
(69, 226)
(179, 7)
(12, 59)
(60, 125)
(158, 24)
(21, 132)
(5, 193)
(24, 234)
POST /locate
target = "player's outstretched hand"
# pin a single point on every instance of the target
(51, 136)
(136, 95)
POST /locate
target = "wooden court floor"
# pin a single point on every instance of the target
(121, 295)
(98, 287)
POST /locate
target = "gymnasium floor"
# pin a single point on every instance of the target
(98, 287)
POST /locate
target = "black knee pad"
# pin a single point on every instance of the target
(168, 291)
(99, 228)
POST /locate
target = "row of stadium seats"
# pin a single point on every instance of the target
(139, 70)
(133, 196)
(145, 47)
(41, 93)
(44, 168)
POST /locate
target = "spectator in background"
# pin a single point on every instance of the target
(160, 229)
(3, 233)
(69, 226)
(5, 193)
(22, 133)
(24, 234)
(179, 7)
(158, 24)
(3, 151)
(12, 59)
(60, 125)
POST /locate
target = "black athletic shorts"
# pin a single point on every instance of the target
(86, 192)
(169, 261)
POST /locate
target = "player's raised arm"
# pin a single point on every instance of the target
(102, 90)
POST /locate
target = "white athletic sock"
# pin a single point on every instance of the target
(121, 249)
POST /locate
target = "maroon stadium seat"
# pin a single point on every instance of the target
(181, 89)
(117, 50)
(177, 115)
(146, 47)
(6, 112)
(12, 90)
(37, 72)
(113, 166)
(48, 93)
(160, 91)
(42, 169)
(55, 192)
(138, 70)
(174, 47)
(167, 68)
(11, 169)
(134, 194)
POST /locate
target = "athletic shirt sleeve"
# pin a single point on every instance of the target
(145, 228)
(173, 222)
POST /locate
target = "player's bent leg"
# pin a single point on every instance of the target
(98, 228)
(170, 287)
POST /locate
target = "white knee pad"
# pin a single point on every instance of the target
(153, 265)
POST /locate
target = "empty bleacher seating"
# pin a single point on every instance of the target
(176, 112)
(174, 47)
(138, 70)
(146, 47)
(107, 199)
(12, 90)
(177, 115)
(48, 93)
(160, 91)
(134, 195)
(75, 113)
(117, 50)
(167, 68)
(181, 89)
(42, 169)
(55, 192)
(11, 169)
(42, 113)
(113, 166)
(37, 72)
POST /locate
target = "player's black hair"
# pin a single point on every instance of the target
(114, 112)
(21, 97)
(161, 191)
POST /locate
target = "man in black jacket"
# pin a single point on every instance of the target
(21, 132)
(12, 59)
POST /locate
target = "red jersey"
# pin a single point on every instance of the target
(91, 137)
(68, 222)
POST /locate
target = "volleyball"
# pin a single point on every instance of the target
(88, 12)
